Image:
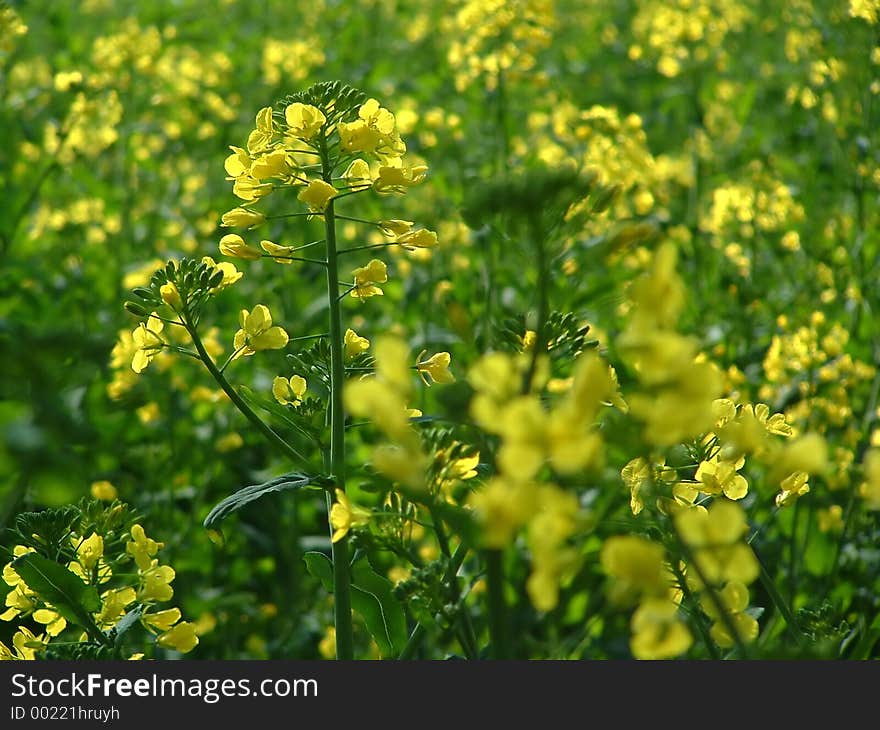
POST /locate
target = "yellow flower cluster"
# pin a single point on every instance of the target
(495, 38)
(532, 436)
(640, 573)
(383, 398)
(683, 32)
(677, 387)
(284, 149)
(147, 587)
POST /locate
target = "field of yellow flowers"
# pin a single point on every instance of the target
(473, 328)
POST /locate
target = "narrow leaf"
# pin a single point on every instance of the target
(246, 495)
(128, 621)
(55, 584)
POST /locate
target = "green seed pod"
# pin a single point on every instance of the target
(137, 309)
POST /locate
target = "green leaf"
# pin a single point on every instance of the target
(373, 600)
(320, 566)
(128, 621)
(246, 495)
(55, 584)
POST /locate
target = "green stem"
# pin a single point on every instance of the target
(497, 608)
(714, 597)
(781, 605)
(237, 400)
(336, 415)
(468, 637)
(698, 619)
(368, 247)
(543, 302)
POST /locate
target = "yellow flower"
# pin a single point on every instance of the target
(273, 164)
(233, 245)
(357, 174)
(304, 120)
(281, 254)
(170, 295)
(719, 476)
(637, 564)
(831, 519)
(23, 645)
(354, 344)
(181, 637)
(104, 491)
(503, 506)
(327, 645)
(114, 603)
(735, 599)
(89, 551)
(358, 136)
(366, 278)
(395, 227)
(161, 620)
(155, 583)
(54, 622)
(141, 547)
(793, 486)
(260, 138)
(229, 442)
(657, 632)
(435, 367)
(344, 515)
(20, 601)
(148, 341)
(715, 537)
(422, 238)
(230, 273)
(242, 218)
(257, 332)
(238, 163)
(396, 179)
(289, 392)
(635, 475)
(317, 195)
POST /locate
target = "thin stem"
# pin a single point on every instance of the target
(319, 262)
(231, 358)
(497, 605)
(717, 603)
(237, 400)
(336, 416)
(290, 215)
(308, 337)
(356, 220)
(307, 245)
(468, 635)
(415, 640)
(368, 247)
(781, 605)
(698, 619)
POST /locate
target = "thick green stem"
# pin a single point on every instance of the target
(336, 416)
(540, 344)
(497, 608)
